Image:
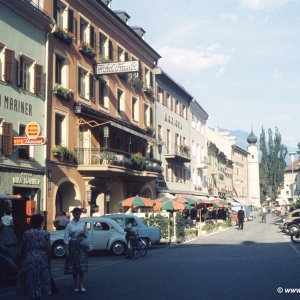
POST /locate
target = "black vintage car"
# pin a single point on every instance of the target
(291, 226)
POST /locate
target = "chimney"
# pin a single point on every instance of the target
(122, 15)
(107, 3)
(140, 31)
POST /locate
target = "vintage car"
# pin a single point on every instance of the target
(150, 234)
(104, 233)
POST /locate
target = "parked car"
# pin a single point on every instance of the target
(150, 234)
(291, 226)
(104, 233)
(292, 215)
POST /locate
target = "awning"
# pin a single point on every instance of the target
(131, 131)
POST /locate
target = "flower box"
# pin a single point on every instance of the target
(63, 35)
(62, 92)
(87, 50)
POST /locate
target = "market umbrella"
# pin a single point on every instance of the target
(136, 201)
(203, 200)
(184, 199)
(175, 205)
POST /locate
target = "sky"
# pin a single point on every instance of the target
(240, 59)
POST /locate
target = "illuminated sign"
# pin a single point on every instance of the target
(119, 67)
(25, 141)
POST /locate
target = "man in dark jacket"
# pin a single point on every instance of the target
(241, 217)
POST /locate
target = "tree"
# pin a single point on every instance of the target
(272, 164)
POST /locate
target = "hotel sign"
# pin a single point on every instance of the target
(119, 67)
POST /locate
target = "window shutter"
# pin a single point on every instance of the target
(70, 20)
(20, 71)
(91, 87)
(7, 135)
(54, 9)
(126, 56)
(81, 38)
(151, 79)
(38, 79)
(75, 30)
(78, 81)
(111, 51)
(92, 36)
(9, 65)
(151, 116)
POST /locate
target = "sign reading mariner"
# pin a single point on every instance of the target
(119, 67)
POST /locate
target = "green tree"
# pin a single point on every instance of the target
(272, 164)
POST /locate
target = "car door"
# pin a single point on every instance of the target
(101, 235)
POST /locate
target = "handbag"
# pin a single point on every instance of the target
(86, 244)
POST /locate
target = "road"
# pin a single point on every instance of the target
(233, 264)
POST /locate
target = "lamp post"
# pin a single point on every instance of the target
(107, 200)
(106, 135)
(292, 156)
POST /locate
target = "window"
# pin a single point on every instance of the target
(83, 31)
(194, 120)
(60, 129)
(160, 95)
(121, 54)
(103, 45)
(148, 78)
(169, 103)
(159, 132)
(23, 150)
(193, 148)
(59, 66)
(135, 109)
(110, 51)
(86, 84)
(120, 101)
(168, 141)
(61, 16)
(103, 93)
(147, 115)
(30, 75)
(177, 107)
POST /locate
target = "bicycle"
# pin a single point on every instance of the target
(136, 246)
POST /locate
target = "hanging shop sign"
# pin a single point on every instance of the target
(119, 67)
(32, 131)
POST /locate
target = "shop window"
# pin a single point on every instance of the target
(60, 129)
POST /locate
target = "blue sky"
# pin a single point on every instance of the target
(239, 58)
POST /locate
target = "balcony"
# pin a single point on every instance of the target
(116, 161)
(179, 153)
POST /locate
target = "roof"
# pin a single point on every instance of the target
(295, 166)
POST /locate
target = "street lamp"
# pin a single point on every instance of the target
(107, 200)
(292, 156)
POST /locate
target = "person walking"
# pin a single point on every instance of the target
(263, 214)
(34, 278)
(241, 217)
(76, 258)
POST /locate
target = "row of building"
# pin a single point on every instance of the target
(88, 118)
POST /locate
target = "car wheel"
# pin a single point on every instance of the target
(59, 249)
(117, 248)
(293, 228)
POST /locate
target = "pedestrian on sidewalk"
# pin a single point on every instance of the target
(241, 217)
(34, 278)
(76, 257)
(263, 214)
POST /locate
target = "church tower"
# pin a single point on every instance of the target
(253, 170)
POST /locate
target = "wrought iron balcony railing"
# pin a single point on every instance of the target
(114, 157)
